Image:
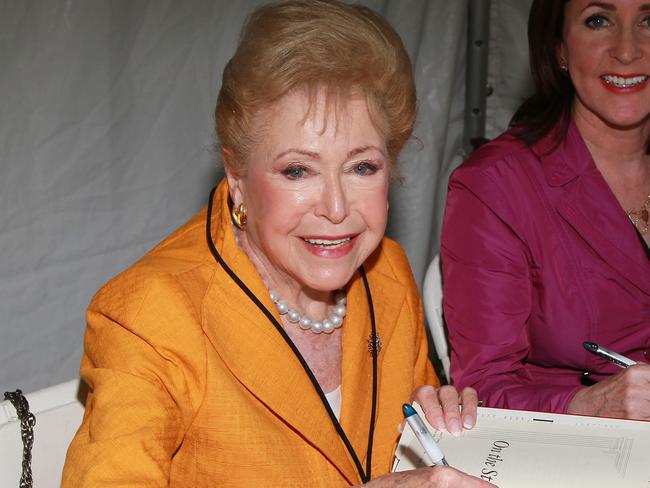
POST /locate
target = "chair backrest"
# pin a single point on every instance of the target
(58, 411)
(432, 301)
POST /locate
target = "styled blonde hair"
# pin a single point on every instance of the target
(310, 44)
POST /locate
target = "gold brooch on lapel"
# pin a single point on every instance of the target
(374, 345)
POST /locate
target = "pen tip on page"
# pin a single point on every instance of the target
(590, 346)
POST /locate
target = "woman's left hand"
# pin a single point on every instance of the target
(445, 408)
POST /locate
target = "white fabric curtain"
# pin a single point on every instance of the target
(106, 146)
(508, 71)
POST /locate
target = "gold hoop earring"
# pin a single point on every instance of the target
(239, 216)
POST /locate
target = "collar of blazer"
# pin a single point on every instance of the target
(586, 202)
(260, 358)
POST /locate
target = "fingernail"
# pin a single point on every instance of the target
(468, 422)
(440, 423)
(454, 427)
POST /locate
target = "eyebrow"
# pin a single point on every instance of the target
(315, 155)
(311, 154)
(611, 7)
(603, 5)
(363, 149)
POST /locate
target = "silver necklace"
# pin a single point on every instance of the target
(328, 325)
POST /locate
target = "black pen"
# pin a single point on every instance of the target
(614, 357)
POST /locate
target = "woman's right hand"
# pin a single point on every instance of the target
(436, 477)
(624, 395)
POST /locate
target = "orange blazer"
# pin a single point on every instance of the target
(192, 386)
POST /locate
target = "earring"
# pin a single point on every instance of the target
(563, 64)
(239, 216)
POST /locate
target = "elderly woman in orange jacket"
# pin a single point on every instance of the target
(272, 340)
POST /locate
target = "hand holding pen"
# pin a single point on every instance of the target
(438, 476)
(446, 409)
(622, 395)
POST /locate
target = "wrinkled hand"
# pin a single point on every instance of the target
(436, 477)
(624, 395)
(445, 408)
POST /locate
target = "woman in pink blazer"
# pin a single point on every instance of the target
(545, 235)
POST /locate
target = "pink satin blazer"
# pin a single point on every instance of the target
(538, 256)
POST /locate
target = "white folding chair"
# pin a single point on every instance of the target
(432, 301)
(58, 411)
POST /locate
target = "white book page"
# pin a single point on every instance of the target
(513, 448)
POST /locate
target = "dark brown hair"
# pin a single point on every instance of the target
(554, 92)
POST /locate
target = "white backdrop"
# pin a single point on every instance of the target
(106, 145)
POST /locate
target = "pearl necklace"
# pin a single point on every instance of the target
(334, 321)
(328, 325)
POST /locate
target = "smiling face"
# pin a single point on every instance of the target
(607, 48)
(315, 192)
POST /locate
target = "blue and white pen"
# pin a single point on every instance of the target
(424, 436)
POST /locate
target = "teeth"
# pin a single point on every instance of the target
(327, 243)
(621, 82)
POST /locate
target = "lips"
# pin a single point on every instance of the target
(624, 83)
(330, 246)
(328, 243)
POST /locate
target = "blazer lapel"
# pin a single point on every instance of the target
(589, 206)
(388, 300)
(257, 354)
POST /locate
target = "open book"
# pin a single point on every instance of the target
(514, 448)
